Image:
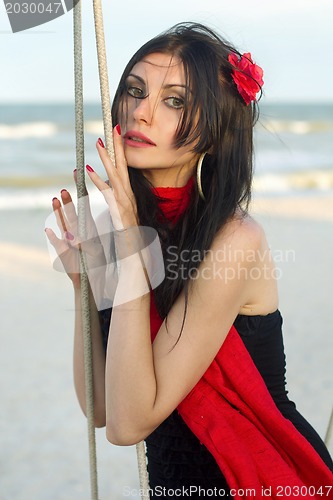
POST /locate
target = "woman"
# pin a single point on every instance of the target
(185, 110)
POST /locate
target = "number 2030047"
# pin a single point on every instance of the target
(32, 8)
(303, 491)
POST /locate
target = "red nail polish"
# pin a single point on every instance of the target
(74, 170)
(54, 199)
(101, 143)
(89, 168)
(118, 129)
(69, 236)
(63, 191)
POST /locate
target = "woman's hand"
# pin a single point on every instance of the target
(66, 218)
(123, 210)
(68, 246)
(118, 192)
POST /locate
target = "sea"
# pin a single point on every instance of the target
(293, 150)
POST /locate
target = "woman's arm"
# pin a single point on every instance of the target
(145, 383)
(98, 360)
(67, 250)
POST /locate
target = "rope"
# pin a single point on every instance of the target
(81, 192)
(107, 121)
(103, 77)
(329, 431)
(142, 467)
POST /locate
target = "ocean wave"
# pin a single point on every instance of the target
(44, 129)
(297, 127)
(27, 130)
(23, 182)
(320, 180)
(27, 199)
(19, 193)
(94, 127)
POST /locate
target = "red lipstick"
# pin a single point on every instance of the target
(137, 140)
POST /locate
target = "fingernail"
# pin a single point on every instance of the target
(101, 143)
(118, 129)
(74, 170)
(89, 168)
(69, 236)
(63, 191)
(54, 199)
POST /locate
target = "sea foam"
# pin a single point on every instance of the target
(26, 130)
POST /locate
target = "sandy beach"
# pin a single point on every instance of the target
(43, 432)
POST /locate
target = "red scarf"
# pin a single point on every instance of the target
(232, 413)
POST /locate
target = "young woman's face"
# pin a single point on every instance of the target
(153, 107)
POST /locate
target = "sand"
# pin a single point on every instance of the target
(43, 432)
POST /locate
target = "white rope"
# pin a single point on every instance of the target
(142, 467)
(329, 431)
(107, 120)
(81, 191)
(103, 77)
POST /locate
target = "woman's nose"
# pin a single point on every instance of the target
(143, 110)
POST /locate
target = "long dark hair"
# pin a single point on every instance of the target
(224, 130)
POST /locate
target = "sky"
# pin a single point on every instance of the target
(291, 39)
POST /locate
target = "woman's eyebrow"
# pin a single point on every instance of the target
(166, 86)
(137, 78)
(170, 85)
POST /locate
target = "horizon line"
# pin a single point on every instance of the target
(97, 102)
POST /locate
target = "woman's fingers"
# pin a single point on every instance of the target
(67, 221)
(106, 160)
(68, 207)
(120, 197)
(116, 173)
(109, 196)
(69, 243)
(71, 215)
(65, 214)
(67, 256)
(59, 244)
(121, 162)
(59, 215)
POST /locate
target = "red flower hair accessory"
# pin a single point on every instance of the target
(247, 76)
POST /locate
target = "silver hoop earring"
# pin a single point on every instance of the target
(199, 166)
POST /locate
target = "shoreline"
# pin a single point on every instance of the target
(313, 207)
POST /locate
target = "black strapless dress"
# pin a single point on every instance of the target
(177, 460)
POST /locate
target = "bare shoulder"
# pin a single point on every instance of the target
(247, 254)
(241, 232)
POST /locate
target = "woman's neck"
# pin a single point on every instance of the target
(169, 177)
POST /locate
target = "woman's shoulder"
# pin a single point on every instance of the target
(247, 255)
(242, 231)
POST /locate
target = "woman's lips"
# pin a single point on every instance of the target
(137, 140)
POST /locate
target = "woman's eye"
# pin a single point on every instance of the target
(136, 92)
(174, 102)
